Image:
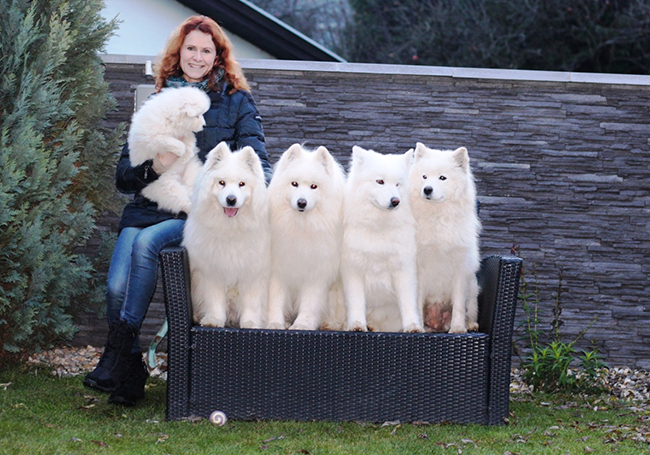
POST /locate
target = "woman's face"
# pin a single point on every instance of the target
(198, 54)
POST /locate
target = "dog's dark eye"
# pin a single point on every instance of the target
(313, 186)
(442, 177)
(242, 184)
(424, 177)
(222, 183)
(294, 184)
(380, 181)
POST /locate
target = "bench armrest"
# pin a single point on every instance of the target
(499, 281)
(178, 306)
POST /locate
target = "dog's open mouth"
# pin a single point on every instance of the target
(230, 212)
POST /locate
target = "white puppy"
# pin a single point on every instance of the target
(306, 199)
(227, 237)
(443, 197)
(378, 263)
(166, 123)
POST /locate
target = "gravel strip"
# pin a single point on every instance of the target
(623, 383)
(74, 361)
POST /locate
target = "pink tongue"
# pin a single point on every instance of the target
(230, 212)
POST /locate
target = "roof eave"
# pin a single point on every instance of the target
(262, 30)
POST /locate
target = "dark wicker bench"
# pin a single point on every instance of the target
(342, 376)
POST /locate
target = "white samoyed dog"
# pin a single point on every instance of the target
(305, 203)
(166, 122)
(443, 197)
(378, 260)
(227, 237)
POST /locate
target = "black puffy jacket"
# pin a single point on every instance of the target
(233, 118)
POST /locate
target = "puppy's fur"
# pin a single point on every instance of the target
(378, 263)
(227, 236)
(166, 122)
(306, 198)
(443, 197)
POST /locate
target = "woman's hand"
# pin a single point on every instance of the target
(164, 161)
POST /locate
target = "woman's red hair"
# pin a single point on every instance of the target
(169, 63)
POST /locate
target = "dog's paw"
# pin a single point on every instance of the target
(357, 327)
(458, 329)
(250, 325)
(178, 149)
(413, 328)
(472, 326)
(329, 326)
(211, 321)
(275, 326)
(300, 327)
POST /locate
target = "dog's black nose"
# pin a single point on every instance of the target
(428, 190)
(231, 200)
(301, 203)
(394, 201)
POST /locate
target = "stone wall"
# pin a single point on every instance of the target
(561, 162)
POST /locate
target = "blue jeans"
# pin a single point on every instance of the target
(133, 272)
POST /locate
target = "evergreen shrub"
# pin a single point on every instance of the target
(56, 165)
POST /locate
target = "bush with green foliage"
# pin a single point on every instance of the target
(607, 36)
(549, 366)
(56, 164)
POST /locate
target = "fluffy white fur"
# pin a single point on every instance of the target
(305, 199)
(166, 122)
(378, 261)
(227, 236)
(443, 197)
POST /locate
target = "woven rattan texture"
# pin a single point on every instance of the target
(262, 374)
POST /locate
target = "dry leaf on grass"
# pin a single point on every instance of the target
(162, 438)
(275, 438)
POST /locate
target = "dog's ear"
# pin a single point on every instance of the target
(291, 154)
(461, 157)
(188, 109)
(420, 151)
(324, 157)
(358, 154)
(194, 102)
(217, 155)
(409, 157)
(252, 160)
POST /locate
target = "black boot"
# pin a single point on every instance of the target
(113, 364)
(132, 388)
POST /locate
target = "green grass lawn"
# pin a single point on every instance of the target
(40, 414)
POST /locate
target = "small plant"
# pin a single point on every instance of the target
(547, 368)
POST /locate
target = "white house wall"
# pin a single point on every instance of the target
(146, 24)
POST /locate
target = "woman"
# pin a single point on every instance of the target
(197, 54)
